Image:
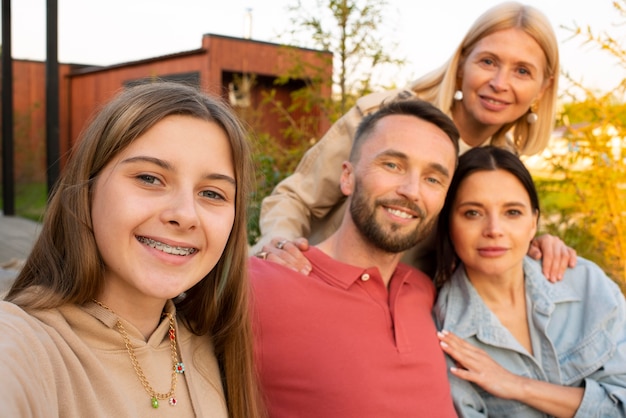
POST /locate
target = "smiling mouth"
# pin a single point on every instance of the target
(400, 213)
(494, 101)
(168, 249)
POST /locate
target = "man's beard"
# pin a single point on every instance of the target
(364, 217)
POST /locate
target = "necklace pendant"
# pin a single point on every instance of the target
(155, 402)
(173, 401)
(179, 367)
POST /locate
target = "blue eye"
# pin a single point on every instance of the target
(147, 178)
(391, 165)
(212, 195)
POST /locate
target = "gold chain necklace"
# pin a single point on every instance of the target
(177, 367)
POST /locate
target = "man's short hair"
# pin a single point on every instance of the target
(411, 107)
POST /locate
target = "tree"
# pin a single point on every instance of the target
(302, 117)
(351, 30)
(593, 170)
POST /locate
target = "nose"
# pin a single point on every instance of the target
(493, 226)
(181, 210)
(409, 187)
(499, 81)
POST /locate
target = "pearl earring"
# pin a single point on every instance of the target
(458, 95)
(532, 116)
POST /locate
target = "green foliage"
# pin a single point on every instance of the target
(569, 211)
(585, 201)
(586, 110)
(272, 164)
(308, 104)
(30, 200)
(593, 176)
(351, 30)
(275, 159)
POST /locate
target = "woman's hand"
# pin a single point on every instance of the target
(475, 365)
(556, 256)
(288, 253)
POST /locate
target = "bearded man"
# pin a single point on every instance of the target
(355, 338)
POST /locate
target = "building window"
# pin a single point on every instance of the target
(239, 90)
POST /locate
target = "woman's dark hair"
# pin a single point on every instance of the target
(477, 159)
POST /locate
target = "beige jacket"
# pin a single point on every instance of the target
(71, 362)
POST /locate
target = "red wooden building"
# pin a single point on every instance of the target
(239, 70)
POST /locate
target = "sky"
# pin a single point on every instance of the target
(426, 32)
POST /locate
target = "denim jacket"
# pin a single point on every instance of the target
(581, 326)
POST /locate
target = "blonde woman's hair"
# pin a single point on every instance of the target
(438, 86)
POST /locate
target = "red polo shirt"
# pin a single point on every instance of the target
(338, 343)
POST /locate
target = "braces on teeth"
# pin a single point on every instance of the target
(166, 248)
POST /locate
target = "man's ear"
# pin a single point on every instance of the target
(346, 182)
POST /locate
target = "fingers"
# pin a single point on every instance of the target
(533, 251)
(545, 246)
(262, 255)
(467, 356)
(475, 365)
(572, 257)
(550, 261)
(555, 254)
(454, 344)
(561, 262)
(463, 356)
(287, 253)
(301, 243)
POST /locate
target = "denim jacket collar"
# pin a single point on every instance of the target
(472, 317)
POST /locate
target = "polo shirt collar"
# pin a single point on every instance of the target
(344, 275)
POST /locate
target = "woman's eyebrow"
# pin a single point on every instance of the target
(164, 164)
(141, 158)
